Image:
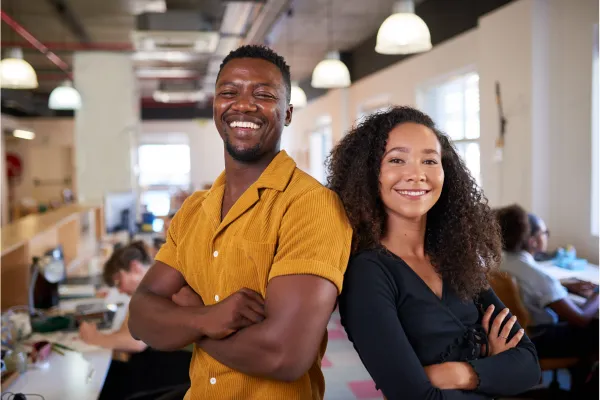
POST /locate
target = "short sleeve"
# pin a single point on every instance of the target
(550, 288)
(314, 238)
(168, 251)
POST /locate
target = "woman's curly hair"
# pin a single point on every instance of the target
(462, 236)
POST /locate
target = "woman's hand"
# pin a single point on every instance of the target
(498, 340)
(89, 333)
(452, 376)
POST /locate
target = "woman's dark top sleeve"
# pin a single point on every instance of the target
(369, 314)
(513, 371)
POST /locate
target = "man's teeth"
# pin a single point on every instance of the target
(412, 192)
(242, 124)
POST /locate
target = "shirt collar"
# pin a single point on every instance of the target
(527, 257)
(276, 176)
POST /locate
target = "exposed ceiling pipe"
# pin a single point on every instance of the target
(125, 46)
(61, 77)
(262, 25)
(66, 13)
(56, 60)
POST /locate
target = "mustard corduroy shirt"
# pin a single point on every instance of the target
(285, 223)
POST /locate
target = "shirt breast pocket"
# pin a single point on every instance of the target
(252, 264)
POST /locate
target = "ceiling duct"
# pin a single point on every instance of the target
(177, 30)
(265, 21)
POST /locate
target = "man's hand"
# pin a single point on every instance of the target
(186, 297)
(243, 308)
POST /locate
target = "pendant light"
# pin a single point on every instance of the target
(65, 97)
(403, 32)
(16, 73)
(331, 72)
(298, 97)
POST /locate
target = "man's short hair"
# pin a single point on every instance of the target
(263, 53)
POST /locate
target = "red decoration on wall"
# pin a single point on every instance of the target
(14, 166)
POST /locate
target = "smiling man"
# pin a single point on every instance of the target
(265, 248)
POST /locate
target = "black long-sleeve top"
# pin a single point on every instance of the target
(398, 325)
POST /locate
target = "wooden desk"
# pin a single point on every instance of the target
(74, 376)
(34, 235)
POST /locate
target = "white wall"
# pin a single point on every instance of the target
(206, 146)
(48, 156)
(570, 123)
(540, 51)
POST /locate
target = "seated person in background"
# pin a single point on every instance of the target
(544, 297)
(146, 369)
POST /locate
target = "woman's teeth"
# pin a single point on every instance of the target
(412, 192)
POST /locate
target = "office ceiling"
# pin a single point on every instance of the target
(178, 45)
(66, 26)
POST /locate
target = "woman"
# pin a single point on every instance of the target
(416, 287)
(147, 369)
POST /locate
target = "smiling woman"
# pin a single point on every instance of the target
(416, 302)
(458, 216)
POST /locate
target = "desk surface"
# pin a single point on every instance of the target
(25, 229)
(74, 376)
(590, 273)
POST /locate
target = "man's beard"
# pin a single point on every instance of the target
(246, 155)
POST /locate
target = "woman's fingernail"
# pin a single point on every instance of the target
(522, 330)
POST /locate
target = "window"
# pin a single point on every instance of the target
(595, 138)
(163, 168)
(320, 145)
(454, 106)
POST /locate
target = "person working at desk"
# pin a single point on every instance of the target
(146, 369)
(559, 327)
(266, 249)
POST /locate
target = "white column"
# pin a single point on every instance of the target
(107, 125)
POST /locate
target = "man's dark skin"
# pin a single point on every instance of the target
(278, 339)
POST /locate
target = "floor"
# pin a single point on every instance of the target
(345, 376)
(347, 379)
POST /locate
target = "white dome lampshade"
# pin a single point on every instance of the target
(403, 32)
(331, 73)
(65, 97)
(16, 73)
(298, 97)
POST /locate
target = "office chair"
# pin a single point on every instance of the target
(507, 289)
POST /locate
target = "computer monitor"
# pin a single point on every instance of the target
(120, 212)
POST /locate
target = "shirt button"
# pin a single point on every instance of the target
(215, 254)
(216, 297)
(213, 381)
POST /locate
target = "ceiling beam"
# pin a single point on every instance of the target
(66, 14)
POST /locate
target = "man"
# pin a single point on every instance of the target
(265, 248)
(559, 327)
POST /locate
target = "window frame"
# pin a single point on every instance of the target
(429, 100)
